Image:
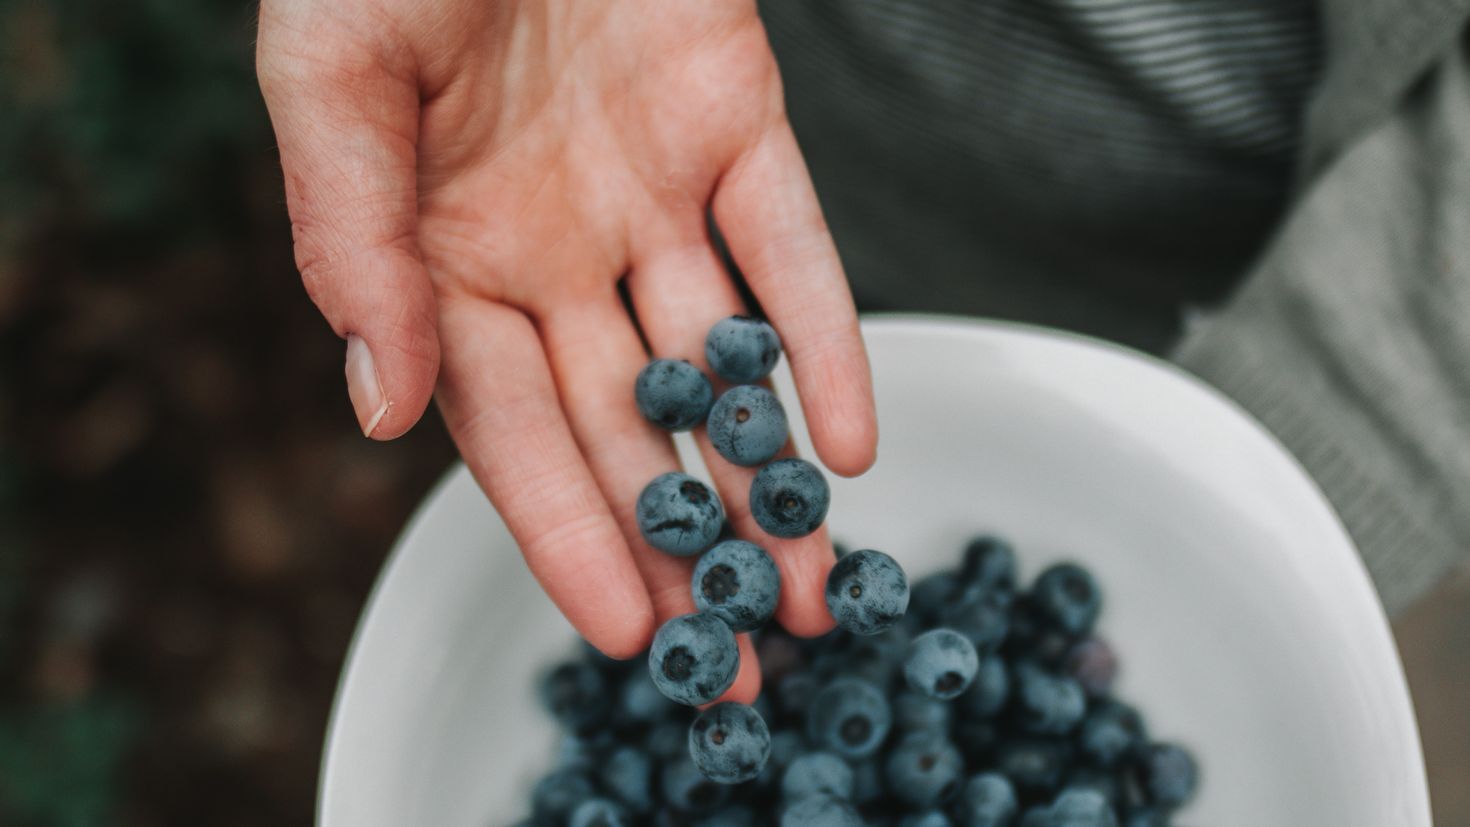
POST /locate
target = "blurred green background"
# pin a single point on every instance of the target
(191, 520)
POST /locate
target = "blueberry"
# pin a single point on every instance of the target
(986, 800)
(747, 425)
(931, 594)
(576, 695)
(679, 514)
(990, 563)
(693, 659)
(600, 812)
(1146, 817)
(1081, 808)
(1068, 596)
(981, 615)
(1169, 775)
(988, 692)
(667, 740)
(640, 702)
(737, 582)
(686, 789)
(817, 773)
(1034, 636)
(628, 774)
(789, 498)
(1103, 782)
(867, 783)
(673, 394)
(786, 745)
(1110, 733)
(1091, 662)
(924, 770)
(729, 743)
(1036, 765)
(933, 818)
(742, 349)
(794, 694)
(917, 712)
(734, 816)
(977, 738)
(1047, 704)
(867, 592)
(850, 717)
(821, 811)
(941, 663)
(559, 793)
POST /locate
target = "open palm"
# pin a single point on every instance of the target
(470, 182)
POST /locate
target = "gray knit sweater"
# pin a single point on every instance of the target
(1274, 192)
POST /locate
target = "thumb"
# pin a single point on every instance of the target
(345, 116)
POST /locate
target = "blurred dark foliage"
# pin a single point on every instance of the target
(191, 520)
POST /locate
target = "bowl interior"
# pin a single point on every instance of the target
(1246, 624)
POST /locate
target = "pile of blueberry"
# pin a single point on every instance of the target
(964, 703)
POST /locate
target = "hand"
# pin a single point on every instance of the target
(469, 182)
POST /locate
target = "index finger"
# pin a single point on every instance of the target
(768, 212)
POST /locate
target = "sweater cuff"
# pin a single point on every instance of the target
(1256, 358)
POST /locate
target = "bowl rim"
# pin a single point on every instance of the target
(924, 324)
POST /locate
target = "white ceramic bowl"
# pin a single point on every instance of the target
(1247, 625)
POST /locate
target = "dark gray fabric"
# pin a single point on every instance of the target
(1092, 164)
(1010, 159)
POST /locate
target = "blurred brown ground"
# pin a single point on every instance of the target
(191, 520)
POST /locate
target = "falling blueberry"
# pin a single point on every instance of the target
(694, 659)
(867, 592)
(729, 743)
(742, 349)
(673, 394)
(737, 582)
(789, 498)
(747, 425)
(679, 514)
(940, 663)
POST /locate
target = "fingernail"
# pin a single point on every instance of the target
(363, 387)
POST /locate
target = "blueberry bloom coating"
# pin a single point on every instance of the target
(850, 717)
(821, 811)
(867, 592)
(1081, 808)
(817, 773)
(673, 394)
(1067, 595)
(693, 659)
(918, 712)
(1048, 704)
(1169, 774)
(600, 812)
(941, 663)
(686, 789)
(628, 774)
(986, 800)
(739, 583)
(1034, 764)
(982, 615)
(576, 695)
(990, 563)
(742, 349)
(924, 770)
(1110, 733)
(789, 498)
(988, 692)
(679, 514)
(747, 425)
(556, 795)
(729, 743)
